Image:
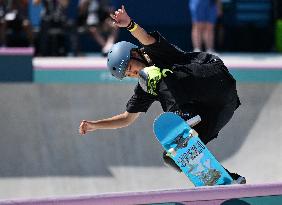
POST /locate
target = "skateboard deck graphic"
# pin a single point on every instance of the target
(185, 147)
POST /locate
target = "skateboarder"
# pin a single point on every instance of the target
(187, 83)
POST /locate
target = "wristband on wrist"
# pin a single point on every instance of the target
(132, 26)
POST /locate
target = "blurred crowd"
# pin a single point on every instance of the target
(57, 34)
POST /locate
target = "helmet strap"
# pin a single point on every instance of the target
(145, 56)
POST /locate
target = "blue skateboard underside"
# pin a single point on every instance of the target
(192, 156)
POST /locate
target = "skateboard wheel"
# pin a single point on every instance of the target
(192, 133)
(172, 152)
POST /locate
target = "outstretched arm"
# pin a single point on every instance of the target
(122, 20)
(118, 121)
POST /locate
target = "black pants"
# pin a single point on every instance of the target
(215, 119)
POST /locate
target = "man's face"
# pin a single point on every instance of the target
(133, 68)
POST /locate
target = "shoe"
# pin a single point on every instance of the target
(241, 180)
(213, 52)
(237, 179)
(170, 162)
(196, 50)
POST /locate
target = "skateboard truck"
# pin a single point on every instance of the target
(194, 121)
(181, 142)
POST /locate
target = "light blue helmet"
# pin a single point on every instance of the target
(118, 58)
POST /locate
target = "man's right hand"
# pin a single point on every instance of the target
(85, 126)
(120, 17)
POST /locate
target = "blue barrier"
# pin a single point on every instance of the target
(16, 65)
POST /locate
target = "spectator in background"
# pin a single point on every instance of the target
(2, 22)
(94, 16)
(15, 27)
(204, 14)
(53, 28)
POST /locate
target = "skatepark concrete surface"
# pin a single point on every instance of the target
(42, 154)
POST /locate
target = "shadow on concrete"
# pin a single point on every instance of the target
(253, 98)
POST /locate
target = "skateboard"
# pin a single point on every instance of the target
(184, 146)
